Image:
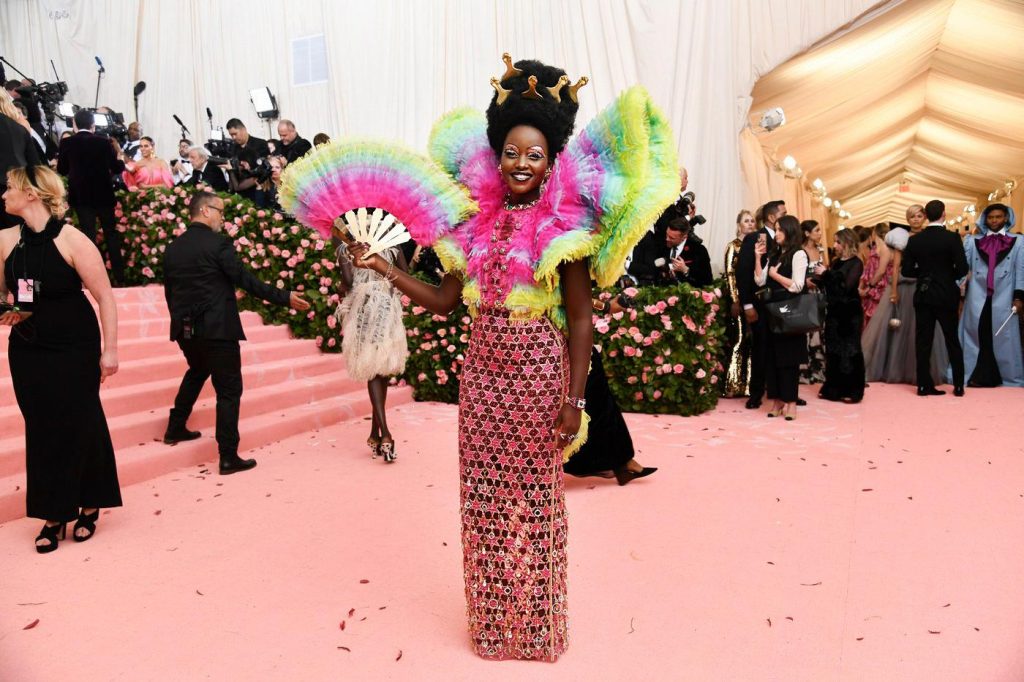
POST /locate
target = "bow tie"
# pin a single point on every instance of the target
(992, 245)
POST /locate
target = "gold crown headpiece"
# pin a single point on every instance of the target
(531, 93)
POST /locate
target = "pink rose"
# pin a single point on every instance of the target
(638, 396)
(657, 394)
(630, 351)
(678, 369)
(707, 296)
(332, 342)
(701, 374)
(630, 291)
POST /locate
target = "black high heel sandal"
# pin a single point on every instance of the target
(387, 451)
(88, 522)
(624, 474)
(51, 533)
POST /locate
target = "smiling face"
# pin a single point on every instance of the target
(524, 161)
(146, 148)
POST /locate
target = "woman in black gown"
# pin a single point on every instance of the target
(56, 359)
(844, 359)
(608, 451)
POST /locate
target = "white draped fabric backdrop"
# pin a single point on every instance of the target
(396, 65)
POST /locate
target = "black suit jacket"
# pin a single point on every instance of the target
(745, 265)
(295, 150)
(653, 247)
(935, 256)
(211, 175)
(201, 273)
(17, 148)
(89, 162)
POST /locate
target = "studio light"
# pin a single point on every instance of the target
(772, 119)
(264, 102)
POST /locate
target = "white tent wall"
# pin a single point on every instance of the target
(396, 65)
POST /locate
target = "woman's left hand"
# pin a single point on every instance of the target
(108, 364)
(567, 426)
(773, 271)
(12, 317)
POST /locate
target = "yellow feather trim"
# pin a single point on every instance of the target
(566, 248)
(581, 438)
(448, 251)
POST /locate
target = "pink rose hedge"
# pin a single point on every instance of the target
(660, 357)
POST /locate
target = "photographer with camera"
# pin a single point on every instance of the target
(247, 157)
(292, 146)
(203, 170)
(89, 162)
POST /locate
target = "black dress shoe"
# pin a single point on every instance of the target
(180, 435)
(624, 474)
(753, 403)
(925, 391)
(958, 391)
(800, 402)
(235, 464)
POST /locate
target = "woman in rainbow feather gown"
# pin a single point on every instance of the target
(522, 217)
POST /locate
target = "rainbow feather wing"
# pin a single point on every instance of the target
(346, 175)
(610, 184)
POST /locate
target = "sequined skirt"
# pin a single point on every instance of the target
(512, 494)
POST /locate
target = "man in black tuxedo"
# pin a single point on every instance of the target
(201, 273)
(671, 256)
(204, 171)
(249, 151)
(935, 256)
(17, 150)
(753, 309)
(89, 161)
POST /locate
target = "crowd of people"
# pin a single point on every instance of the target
(912, 304)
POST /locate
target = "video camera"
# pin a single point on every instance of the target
(261, 172)
(685, 204)
(218, 145)
(111, 124)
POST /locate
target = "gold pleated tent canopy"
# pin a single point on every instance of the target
(919, 100)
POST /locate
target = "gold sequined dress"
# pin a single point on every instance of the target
(737, 376)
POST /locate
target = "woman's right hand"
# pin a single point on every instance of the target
(894, 297)
(760, 248)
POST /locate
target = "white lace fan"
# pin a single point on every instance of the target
(380, 232)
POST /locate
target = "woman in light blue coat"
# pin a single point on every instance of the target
(995, 287)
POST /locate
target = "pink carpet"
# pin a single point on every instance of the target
(873, 542)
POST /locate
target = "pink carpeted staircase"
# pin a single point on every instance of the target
(290, 388)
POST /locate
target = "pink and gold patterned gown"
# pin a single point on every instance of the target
(600, 199)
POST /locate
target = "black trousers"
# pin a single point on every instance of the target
(220, 360)
(927, 315)
(759, 341)
(87, 216)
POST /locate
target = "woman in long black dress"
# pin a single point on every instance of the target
(56, 360)
(844, 359)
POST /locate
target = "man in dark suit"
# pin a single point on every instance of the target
(935, 256)
(672, 256)
(17, 150)
(201, 273)
(753, 309)
(205, 171)
(89, 161)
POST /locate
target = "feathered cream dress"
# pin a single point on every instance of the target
(373, 337)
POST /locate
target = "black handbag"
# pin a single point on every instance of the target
(798, 315)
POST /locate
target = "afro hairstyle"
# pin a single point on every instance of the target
(555, 120)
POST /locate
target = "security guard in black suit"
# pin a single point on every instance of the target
(201, 274)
